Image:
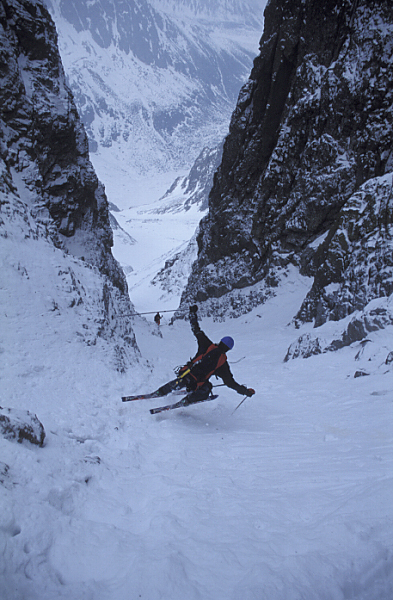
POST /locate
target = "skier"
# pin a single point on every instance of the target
(157, 318)
(209, 360)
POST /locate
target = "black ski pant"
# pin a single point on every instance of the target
(175, 384)
(198, 395)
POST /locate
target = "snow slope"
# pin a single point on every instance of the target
(287, 498)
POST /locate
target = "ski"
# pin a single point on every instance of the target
(147, 396)
(139, 397)
(182, 402)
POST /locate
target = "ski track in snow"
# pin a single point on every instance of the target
(288, 498)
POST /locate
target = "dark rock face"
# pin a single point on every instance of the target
(21, 425)
(49, 191)
(355, 263)
(309, 159)
(43, 139)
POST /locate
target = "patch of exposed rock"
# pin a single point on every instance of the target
(20, 425)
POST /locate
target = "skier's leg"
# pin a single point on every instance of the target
(199, 395)
(175, 384)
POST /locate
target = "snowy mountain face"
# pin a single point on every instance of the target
(306, 174)
(155, 82)
(187, 192)
(194, 188)
(55, 232)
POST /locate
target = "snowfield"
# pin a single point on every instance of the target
(157, 239)
(287, 498)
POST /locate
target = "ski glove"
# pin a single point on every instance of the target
(250, 392)
(194, 308)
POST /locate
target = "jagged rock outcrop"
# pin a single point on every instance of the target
(308, 161)
(44, 142)
(377, 315)
(50, 194)
(367, 331)
(21, 425)
(355, 262)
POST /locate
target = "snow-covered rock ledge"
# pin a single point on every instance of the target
(377, 316)
(20, 425)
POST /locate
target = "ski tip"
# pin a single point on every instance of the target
(156, 411)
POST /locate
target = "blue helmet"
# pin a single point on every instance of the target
(228, 341)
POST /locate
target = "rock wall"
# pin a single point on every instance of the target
(54, 219)
(309, 149)
(43, 141)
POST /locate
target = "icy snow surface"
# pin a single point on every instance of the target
(288, 498)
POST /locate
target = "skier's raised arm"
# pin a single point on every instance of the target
(203, 341)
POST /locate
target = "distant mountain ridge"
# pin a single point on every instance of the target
(194, 188)
(245, 11)
(155, 82)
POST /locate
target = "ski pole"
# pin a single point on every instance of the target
(237, 361)
(240, 404)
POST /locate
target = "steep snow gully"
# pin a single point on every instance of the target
(287, 498)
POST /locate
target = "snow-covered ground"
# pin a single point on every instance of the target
(147, 238)
(156, 240)
(288, 498)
